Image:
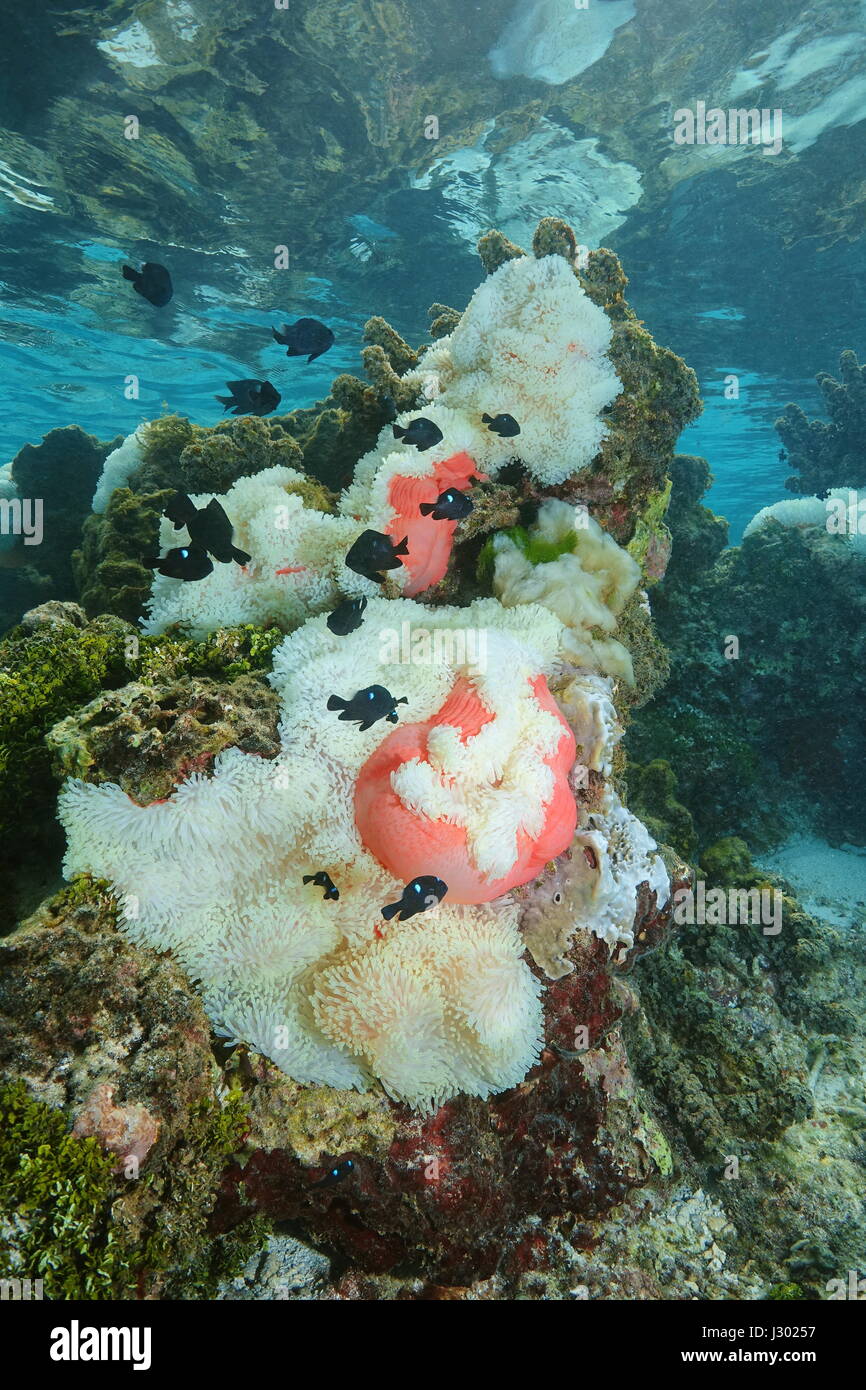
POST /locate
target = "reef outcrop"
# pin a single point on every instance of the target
(460, 1077)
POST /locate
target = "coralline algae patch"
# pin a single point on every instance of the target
(432, 1006)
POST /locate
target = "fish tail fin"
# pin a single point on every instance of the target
(400, 431)
(390, 910)
(279, 338)
(487, 419)
(128, 272)
(425, 508)
(308, 878)
(335, 702)
(403, 547)
(240, 556)
(151, 561)
(226, 401)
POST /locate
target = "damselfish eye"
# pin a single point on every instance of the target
(557, 897)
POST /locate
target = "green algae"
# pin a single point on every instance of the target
(652, 797)
(650, 545)
(56, 1192)
(63, 1205)
(108, 568)
(728, 862)
(44, 675)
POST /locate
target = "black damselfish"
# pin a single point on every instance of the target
(504, 425)
(251, 397)
(323, 880)
(307, 336)
(368, 706)
(152, 282)
(184, 562)
(374, 551)
(347, 616)
(209, 527)
(449, 506)
(417, 896)
(336, 1174)
(423, 433)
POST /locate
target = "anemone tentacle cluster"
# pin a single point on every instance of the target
(839, 513)
(326, 989)
(297, 566)
(582, 575)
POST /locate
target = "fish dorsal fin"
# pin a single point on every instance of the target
(216, 512)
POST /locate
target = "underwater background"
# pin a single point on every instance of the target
(371, 167)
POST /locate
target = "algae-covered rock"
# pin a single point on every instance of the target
(727, 862)
(104, 1039)
(553, 237)
(46, 670)
(652, 796)
(335, 432)
(768, 649)
(192, 458)
(698, 535)
(108, 568)
(741, 1038)
(495, 249)
(55, 663)
(147, 739)
(62, 472)
(443, 320)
